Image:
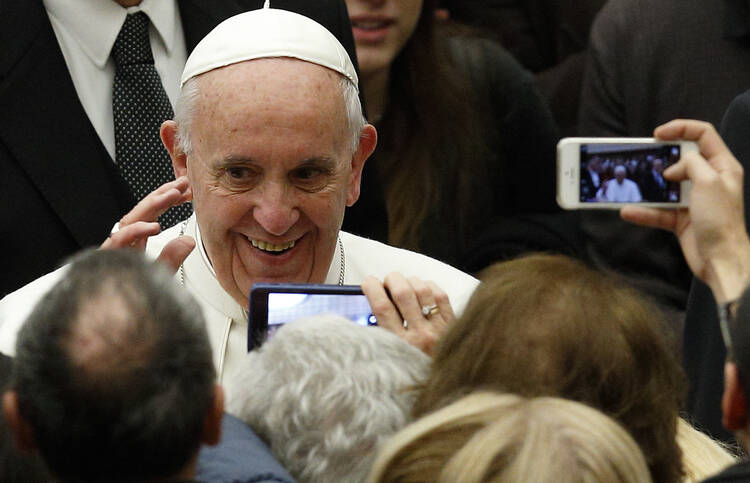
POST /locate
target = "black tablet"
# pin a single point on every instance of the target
(274, 304)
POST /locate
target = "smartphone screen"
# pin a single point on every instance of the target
(273, 305)
(285, 307)
(627, 173)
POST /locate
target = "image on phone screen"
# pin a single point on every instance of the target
(627, 173)
(285, 307)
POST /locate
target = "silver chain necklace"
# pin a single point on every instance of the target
(342, 269)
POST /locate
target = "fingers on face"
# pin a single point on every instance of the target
(158, 201)
(133, 235)
(176, 251)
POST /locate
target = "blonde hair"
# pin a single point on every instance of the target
(487, 437)
(702, 456)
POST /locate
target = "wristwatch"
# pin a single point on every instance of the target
(727, 314)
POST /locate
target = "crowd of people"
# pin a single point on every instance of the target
(374, 143)
(629, 177)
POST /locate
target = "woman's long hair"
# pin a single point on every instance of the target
(432, 147)
(547, 325)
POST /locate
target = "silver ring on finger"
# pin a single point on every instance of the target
(115, 229)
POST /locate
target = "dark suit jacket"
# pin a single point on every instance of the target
(703, 347)
(588, 189)
(59, 188)
(650, 188)
(645, 66)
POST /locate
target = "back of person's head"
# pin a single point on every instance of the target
(738, 343)
(323, 392)
(113, 372)
(16, 465)
(702, 456)
(547, 325)
(488, 437)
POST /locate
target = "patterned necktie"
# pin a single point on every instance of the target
(139, 106)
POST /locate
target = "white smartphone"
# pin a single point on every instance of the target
(607, 173)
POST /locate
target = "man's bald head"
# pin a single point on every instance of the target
(113, 371)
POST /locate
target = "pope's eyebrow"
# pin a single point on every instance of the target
(232, 160)
(323, 162)
(228, 162)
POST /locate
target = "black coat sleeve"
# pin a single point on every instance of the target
(704, 351)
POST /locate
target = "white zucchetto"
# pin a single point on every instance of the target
(266, 33)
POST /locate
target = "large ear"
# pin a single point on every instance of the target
(212, 423)
(169, 138)
(733, 401)
(368, 139)
(20, 428)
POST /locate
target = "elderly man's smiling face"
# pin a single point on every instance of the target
(272, 169)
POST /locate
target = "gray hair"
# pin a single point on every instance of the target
(187, 103)
(324, 392)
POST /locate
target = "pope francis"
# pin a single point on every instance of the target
(268, 142)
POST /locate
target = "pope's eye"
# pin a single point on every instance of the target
(236, 172)
(307, 173)
(311, 177)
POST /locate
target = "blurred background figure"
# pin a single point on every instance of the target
(324, 392)
(487, 437)
(647, 64)
(466, 143)
(547, 37)
(567, 331)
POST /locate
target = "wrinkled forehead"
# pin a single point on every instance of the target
(288, 95)
(258, 77)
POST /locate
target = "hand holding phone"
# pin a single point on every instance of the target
(608, 173)
(712, 230)
(416, 310)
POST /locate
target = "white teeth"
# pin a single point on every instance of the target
(371, 25)
(271, 247)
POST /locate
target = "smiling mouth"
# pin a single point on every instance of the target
(272, 248)
(371, 24)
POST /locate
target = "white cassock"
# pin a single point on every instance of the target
(627, 192)
(226, 320)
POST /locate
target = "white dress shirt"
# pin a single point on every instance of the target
(86, 31)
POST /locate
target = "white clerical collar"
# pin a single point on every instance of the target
(202, 250)
(201, 277)
(96, 23)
